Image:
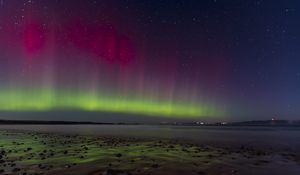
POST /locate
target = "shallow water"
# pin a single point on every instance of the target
(267, 137)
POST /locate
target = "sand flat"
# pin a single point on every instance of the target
(29, 152)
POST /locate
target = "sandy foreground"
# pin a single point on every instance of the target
(24, 152)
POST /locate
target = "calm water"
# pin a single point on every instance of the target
(269, 137)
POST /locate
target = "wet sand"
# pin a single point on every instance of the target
(29, 152)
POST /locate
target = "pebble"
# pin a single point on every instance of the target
(119, 155)
(16, 169)
(115, 172)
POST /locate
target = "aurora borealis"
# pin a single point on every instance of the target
(178, 59)
(46, 100)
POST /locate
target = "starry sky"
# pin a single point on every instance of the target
(141, 60)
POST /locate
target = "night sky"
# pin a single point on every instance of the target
(150, 60)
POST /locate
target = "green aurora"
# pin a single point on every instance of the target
(48, 99)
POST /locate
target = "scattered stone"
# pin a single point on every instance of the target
(234, 171)
(155, 166)
(201, 173)
(16, 169)
(115, 172)
(119, 155)
(171, 146)
(41, 154)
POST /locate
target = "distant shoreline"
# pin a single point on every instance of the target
(41, 122)
(263, 123)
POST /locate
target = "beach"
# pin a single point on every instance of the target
(32, 150)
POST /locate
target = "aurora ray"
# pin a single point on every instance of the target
(72, 64)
